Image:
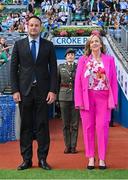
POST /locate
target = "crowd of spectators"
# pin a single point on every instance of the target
(99, 12)
(109, 13)
(15, 2)
(55, 13)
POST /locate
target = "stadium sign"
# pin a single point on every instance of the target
(74, 41)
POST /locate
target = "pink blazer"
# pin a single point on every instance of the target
(81, 82)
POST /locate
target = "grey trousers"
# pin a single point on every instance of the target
(70, 118)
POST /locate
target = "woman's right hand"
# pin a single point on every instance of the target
(80, 107)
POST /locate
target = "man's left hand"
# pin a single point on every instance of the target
(51, 97)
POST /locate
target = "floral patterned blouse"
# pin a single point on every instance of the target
(97, 77)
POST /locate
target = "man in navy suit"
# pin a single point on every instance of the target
(34, 84)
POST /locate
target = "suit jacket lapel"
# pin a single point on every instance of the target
(27, 47)
(40, 44)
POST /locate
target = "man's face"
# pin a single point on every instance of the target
(34, 27)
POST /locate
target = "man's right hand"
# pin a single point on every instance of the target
(16, 97)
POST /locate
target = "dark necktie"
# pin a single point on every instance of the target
(71, 66)
(33, 49)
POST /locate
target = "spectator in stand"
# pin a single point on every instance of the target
(31, 6)
(116, 23)
(102, 6)
(64, 6)
(21, 28)
(116, 5)
(78, 8)
(123, 20)
(56, 7)
(106, 19)
(94, 6)
(123, 5)
(46, 6)
(126, 18)
(100, 22)
(72, 7)
(94, 18)
(1, 29)
(96, 85)
(86, 7)
(62, 18)
(4, 46)
(16, 24)
(3, 55)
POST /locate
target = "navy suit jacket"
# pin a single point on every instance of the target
(23, 67)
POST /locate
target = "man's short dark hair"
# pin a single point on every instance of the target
(35, 17)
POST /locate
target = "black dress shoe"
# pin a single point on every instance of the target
(103, 167)
(73, 150)
(90, 167)
(43, 164)
(25, 165)
(67, 150)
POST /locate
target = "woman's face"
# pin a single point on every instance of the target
(70, 57)
(95, 44)
(2, 41)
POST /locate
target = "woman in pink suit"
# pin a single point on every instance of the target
(96, 93)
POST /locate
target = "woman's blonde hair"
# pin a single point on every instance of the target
(87, 45)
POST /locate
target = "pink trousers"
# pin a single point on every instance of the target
(96, 119)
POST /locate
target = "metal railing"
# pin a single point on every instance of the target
(124, 35)
(4, 76)
(119, 50)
